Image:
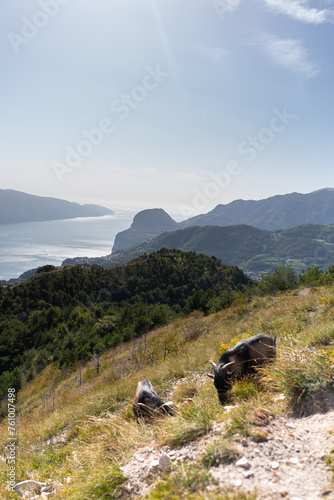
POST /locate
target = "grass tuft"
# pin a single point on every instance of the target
(222, 452)
(301, 374)
(245, 389)
(104, 485)
(192, 422)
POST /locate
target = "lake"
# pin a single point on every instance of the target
(34, 244)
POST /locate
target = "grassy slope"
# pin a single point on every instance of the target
(80, 425)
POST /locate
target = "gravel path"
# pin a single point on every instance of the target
(289, 464)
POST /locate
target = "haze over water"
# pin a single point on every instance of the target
(34, 244)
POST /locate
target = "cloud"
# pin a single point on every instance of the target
(145, 172)
(215, 54)
(188, 177)
(301, 11)
(223, 6)
(289, 54)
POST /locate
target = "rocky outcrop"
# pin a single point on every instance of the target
(32, 489)
(146, 225)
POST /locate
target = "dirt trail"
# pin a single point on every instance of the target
(289, 464)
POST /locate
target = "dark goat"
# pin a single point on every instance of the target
(147, 404)
(242, 359)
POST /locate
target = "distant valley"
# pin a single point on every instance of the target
(16, 206)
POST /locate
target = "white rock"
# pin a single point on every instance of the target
(46, 489)
(29, 488)
(228, 408)
(274, 465)
(237, 483)
(294, 461)
(215, 473)
(153, 468)
(243, 462)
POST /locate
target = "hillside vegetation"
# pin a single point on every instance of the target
(76, 427)
(252, 249)
(71, 315)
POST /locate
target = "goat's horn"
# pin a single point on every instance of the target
(224, 368)
(213, 365)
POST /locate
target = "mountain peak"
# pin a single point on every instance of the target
(153, 218)
(323, 189)
(146, 225)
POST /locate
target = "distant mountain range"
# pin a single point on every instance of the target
(294, 229)
(254, 250)
(277, 212)
(16, 206)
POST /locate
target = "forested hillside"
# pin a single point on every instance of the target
(254, 250)
(68, 315)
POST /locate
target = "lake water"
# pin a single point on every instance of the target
(34, 244)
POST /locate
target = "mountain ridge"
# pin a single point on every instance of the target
(276, 212)
(18, 207)
(273, 213)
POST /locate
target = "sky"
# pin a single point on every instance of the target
(178, 104)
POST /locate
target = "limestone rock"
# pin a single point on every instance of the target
(243, 462)
(274, 465)
(29, 488)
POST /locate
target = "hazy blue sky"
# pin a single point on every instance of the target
(179, 104)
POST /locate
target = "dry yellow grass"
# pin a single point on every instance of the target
(80, 425)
